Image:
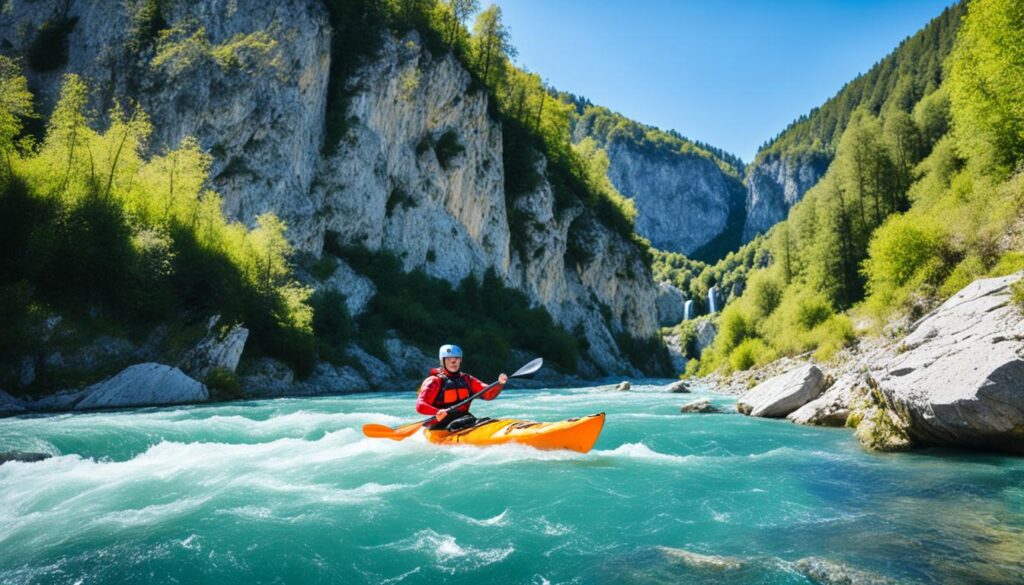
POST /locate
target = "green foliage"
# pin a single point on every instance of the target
(695, 277)
(398, 198)
(49, 48)
(147, 22)
(224, 384)
(1017, 294)
(987, 82)
(901, 250)
(184, 46)
(647, 355)
(901, 79)
(606, 127)
(447, 148)
(95, 228)
(15, 105)
(486, 317)
(765, 292)
(749, 353)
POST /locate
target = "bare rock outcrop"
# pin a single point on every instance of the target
(958, 378)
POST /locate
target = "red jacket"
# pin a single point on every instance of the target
(430, 387)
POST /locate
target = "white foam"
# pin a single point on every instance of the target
(449, 555)
(643, 452)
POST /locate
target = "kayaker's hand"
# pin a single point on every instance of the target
(441, 414)
(502, 379)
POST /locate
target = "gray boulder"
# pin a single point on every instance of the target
(622, 386)
(781, 395)
(671, 304)
(830, 572)
(832, 408)
(679, 387)
(702, 405)
(148, 384)
(958, 378)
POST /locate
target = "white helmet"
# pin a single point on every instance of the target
(449, 351)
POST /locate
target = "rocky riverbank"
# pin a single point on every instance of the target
(955, 379)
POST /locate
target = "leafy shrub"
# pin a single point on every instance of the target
(331, 321)
(749, 353)
(765, 291)
(486, 318)
(905, 249)
(648, 355)
(224, 384)
(1017, 294)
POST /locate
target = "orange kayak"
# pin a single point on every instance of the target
(577, 434)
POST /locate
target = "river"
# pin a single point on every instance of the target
(288, 491)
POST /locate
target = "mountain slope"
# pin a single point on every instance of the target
(793, 161)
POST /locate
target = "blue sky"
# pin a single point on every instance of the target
(730, 73)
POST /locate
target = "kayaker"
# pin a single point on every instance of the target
(448, 385)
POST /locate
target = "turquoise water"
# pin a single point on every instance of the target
(288, 491)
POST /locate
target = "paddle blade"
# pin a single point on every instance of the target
(530, 368)
(383, 432)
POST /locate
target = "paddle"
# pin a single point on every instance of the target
(384, 432)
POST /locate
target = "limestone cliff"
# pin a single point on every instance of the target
(248, 79)
(683, 201)
(774, 184)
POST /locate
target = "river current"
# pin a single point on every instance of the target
(289, 491)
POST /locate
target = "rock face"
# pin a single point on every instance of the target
(706, 332)
(385, 185)
(682, 201)
(781, 395)
(774, 184)
(958, 378)
(671, 304)
(147, 384)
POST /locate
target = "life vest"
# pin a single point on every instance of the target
(454, 388)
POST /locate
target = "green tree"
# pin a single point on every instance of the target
(15, 105)
(492, 46)
(987, 82)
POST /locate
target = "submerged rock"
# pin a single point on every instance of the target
(699, 561)
(957, 379)
(623, 386)
(781, 395)
(829, 572)
(702, 405)
(23, 456)
(148, 384)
